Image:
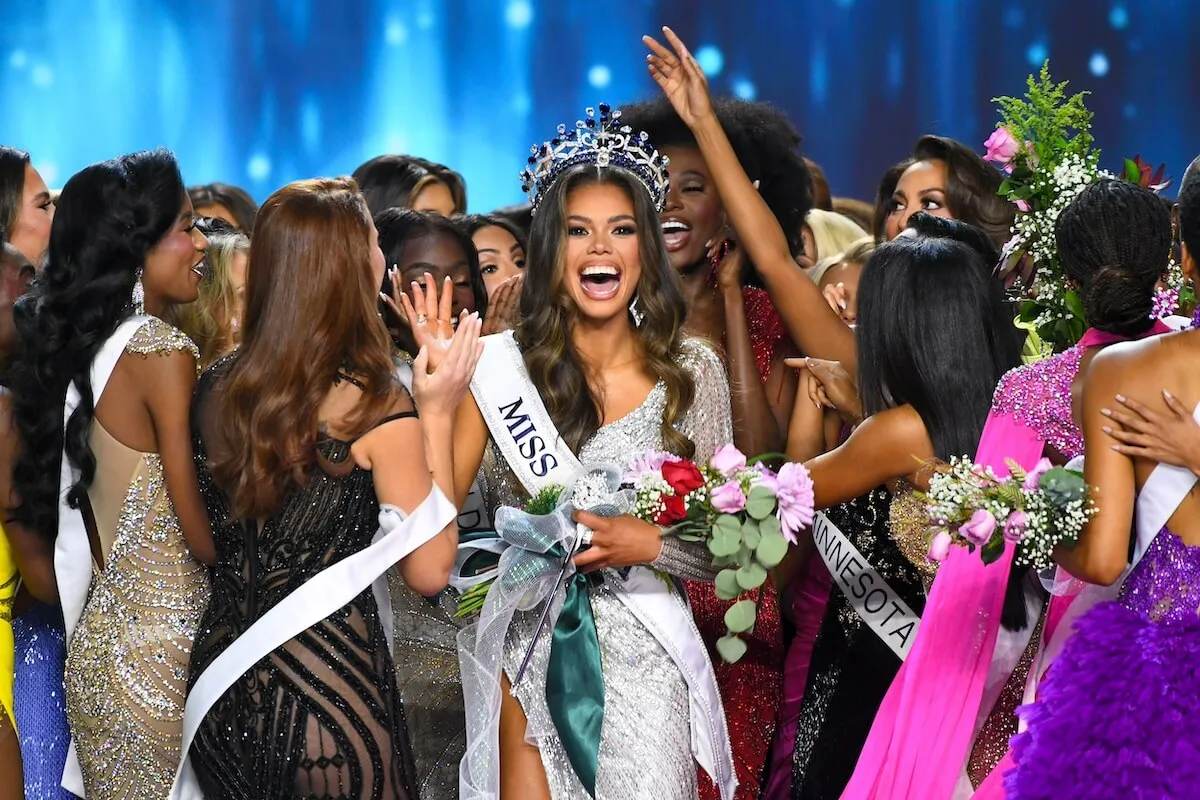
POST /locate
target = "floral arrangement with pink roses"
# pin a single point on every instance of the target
(746, 513)
(1035, 511)
(1043, 143)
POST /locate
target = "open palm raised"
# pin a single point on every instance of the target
(679, 77)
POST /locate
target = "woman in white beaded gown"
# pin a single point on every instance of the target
(597, 371)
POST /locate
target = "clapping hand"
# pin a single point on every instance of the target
(503, 306)
(679, 77)
(430, 317)
(443, 389)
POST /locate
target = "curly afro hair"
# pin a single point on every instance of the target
(765, 142)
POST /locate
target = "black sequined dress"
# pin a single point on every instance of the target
(851, 667)
(320, 716)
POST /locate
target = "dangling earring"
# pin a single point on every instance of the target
(139, 295)
(636, 312)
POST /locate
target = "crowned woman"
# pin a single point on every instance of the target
(585, 675)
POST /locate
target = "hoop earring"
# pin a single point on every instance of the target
(636, 313)
(139, 295)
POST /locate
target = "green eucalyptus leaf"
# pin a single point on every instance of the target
(750, 534)
(740, 616)
(770, 526)
(727, 585)
(731, 649)
(761, 503)
(724, 546)
(751, 576)
(727, 525)
(771, 550)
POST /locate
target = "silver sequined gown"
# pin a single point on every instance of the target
(645, 742)
(127, 664)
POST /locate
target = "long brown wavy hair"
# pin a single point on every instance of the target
(310, 311)
(548, 313)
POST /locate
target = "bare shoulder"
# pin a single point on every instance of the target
(902, 426)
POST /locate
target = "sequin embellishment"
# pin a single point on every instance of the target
(1038, 396)
(128, 660)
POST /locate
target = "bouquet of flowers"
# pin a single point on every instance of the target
(745, 513)
(1044, 145)
(1035, 511)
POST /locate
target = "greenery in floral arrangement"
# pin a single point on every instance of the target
(470, 601)
(1044, 145)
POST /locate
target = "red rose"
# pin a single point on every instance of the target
(673, 511)
(683, 476)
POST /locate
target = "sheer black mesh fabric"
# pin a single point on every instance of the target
(320, 716)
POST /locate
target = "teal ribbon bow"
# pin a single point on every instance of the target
(538, 548)
(575, 682)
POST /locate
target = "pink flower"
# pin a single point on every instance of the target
(649, 461)
(728, 460)
(794, 494)
(979, 528)
(1022, 206)
(729, 499)
(764, 476)
(1001, 146)
(939, 548)
(1014, 526)
(1034, 476)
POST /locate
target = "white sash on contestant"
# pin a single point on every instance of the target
(875, 602)
(324, 593)
(522, 429)
(72, 551)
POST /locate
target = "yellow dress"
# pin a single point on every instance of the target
(127, 664)
(8, 592)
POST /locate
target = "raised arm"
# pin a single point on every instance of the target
(813, 325)
(408, 458)
(755, 429)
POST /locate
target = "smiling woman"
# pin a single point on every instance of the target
(128, 527)
(600, 372)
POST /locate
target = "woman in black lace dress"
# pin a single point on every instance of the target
(307, 446)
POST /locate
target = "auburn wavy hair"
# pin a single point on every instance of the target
(310, 312)
(548, 313)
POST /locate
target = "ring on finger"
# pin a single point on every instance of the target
(422, 319)
(585, 537)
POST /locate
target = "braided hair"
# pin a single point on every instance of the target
(1189, 210)
(1114, 240)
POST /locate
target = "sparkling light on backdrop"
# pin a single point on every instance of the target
(261, 92)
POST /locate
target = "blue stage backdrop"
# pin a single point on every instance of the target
(261, 92)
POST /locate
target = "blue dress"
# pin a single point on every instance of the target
(40, 701)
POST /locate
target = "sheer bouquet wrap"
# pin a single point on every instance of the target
(535, 561)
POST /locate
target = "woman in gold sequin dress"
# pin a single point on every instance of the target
(131, 534)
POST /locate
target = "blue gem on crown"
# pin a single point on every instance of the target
(600, 140)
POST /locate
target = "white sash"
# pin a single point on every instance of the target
(1158, 499)
(875, 602)
(517, 418)
(72, 551)
(320, 596)
(530, 444)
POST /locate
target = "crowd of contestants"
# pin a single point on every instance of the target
(293, 372)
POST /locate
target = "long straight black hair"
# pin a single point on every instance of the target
(933, 333)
